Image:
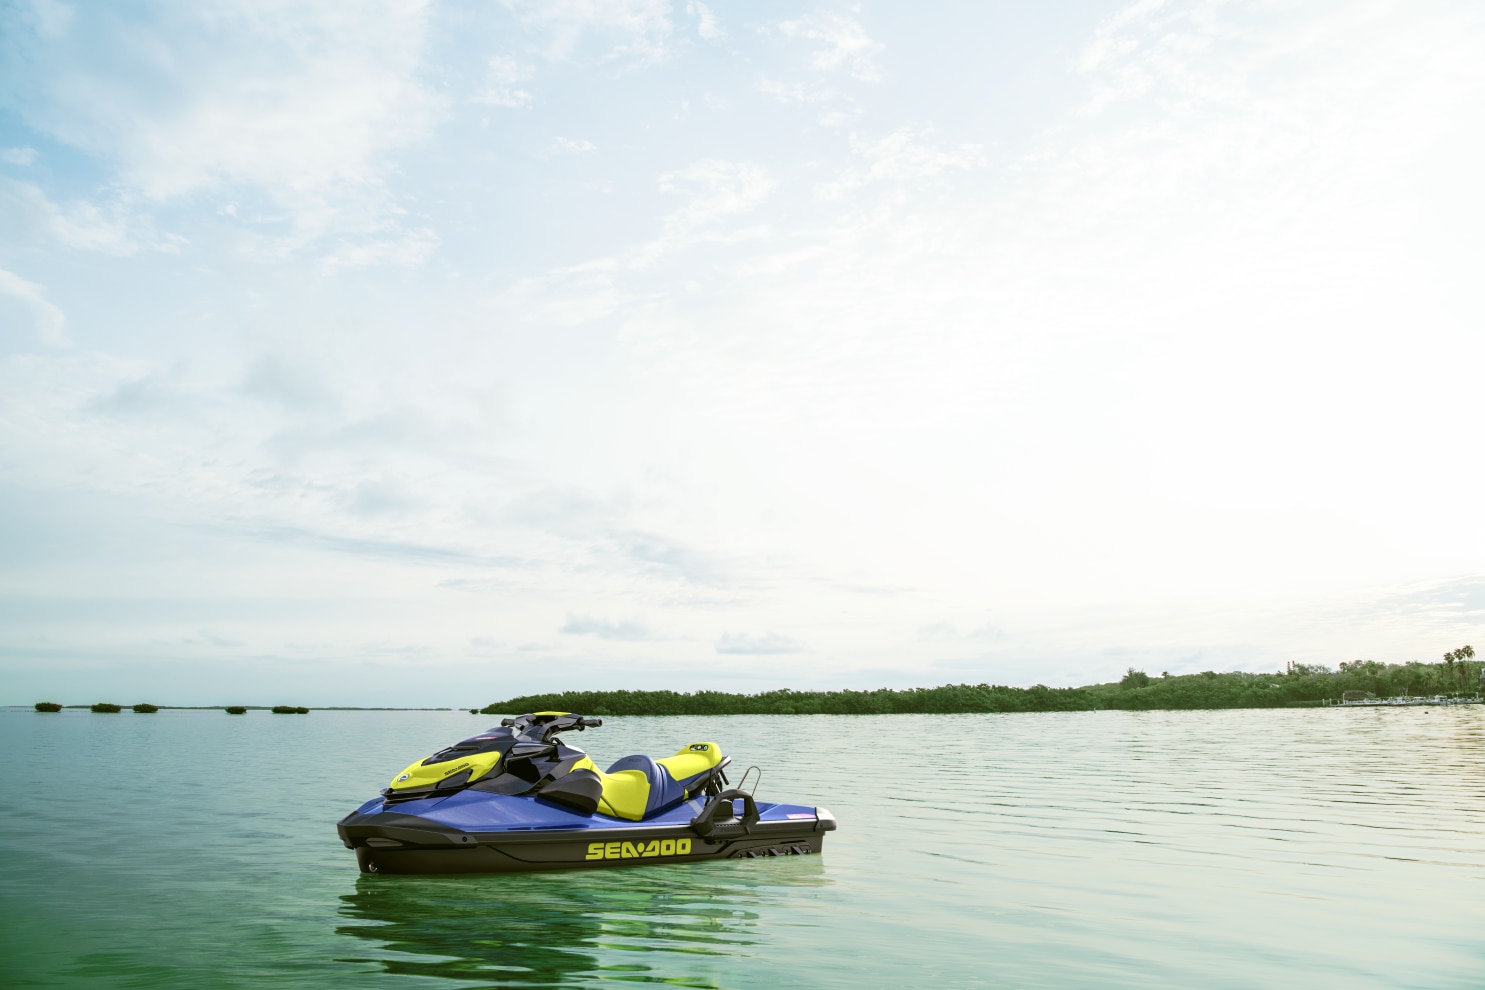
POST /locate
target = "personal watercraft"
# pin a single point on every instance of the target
(517, 798)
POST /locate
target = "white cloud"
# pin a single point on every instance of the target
(903, 156)
(759, 645)
(809, 94)
(618, 630)
(302, 104)
(502, 85)
(400, 248)
(571, 146)
(714, 189)
(951, 633)
(18, 156)
(835, 108)
(794, 92)
(841, 44)
(273, 378)
(636, 29)
(115, 228)
(707, 26)
(50, 321)
(384, 497)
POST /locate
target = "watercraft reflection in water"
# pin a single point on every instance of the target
(526, 931)
(517, 798)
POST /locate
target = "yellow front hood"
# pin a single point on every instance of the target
(419, 775)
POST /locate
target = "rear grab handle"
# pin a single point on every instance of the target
(706, 823)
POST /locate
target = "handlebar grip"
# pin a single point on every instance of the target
(592, 723)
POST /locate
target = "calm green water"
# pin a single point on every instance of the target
(1162, 849)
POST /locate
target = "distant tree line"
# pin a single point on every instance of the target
(1301, 685)
(950, 698)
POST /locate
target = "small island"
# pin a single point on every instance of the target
(236, 710)
(289, 710)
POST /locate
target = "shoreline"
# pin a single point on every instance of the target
(1358, 684)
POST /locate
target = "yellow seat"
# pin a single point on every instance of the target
(625, 794)
(638, 786)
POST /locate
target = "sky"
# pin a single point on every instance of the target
(383, 352)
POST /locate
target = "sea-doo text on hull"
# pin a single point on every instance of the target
(516, 798)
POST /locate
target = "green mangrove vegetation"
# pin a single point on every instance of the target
(236, 710)
(145, 708)
(48, 706)
(289, 710)
(107, 708)
(1300, 686)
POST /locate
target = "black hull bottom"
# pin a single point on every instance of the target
(522, 859)
(388, 850)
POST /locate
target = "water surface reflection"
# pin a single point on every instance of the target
(680, 925)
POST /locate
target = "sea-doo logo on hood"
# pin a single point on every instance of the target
(406, 776)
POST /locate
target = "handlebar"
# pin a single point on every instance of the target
(591, 723)
(578, 723)
(526, 724)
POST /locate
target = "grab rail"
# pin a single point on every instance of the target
(742, 784)
(706, 824)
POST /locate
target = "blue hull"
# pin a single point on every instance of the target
(479, 832)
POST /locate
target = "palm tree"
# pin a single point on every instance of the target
(1462, 655)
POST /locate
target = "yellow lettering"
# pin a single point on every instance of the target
(633, 850)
